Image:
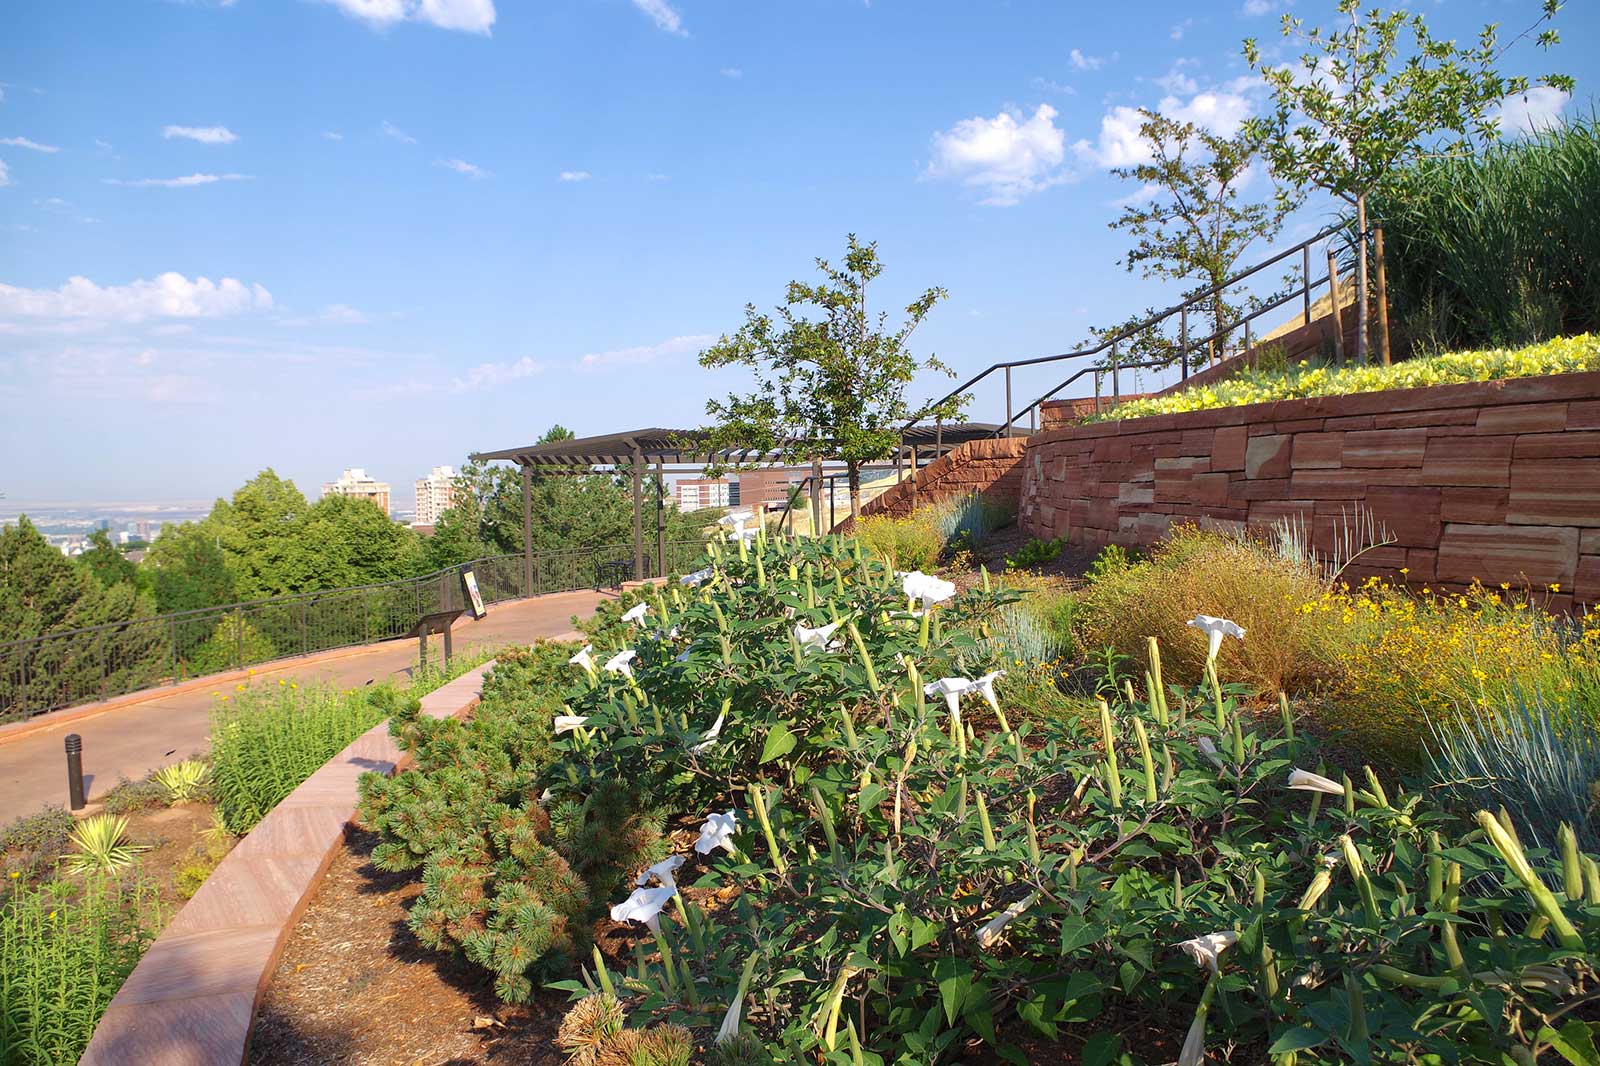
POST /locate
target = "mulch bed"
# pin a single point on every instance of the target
(354, 986)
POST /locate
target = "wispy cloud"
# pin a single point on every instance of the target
(461, 166)
(395, 133)
(646, 353)
(732, 72)
(202, 134)
(332, 135)
(170, 295)
(574, 175)
(664, 16)
(184, 182)
(35, 146)
(468, 16)
(1180, 28)
(5, 175)
(1080, 61)
(486, 375)
(1007, 157)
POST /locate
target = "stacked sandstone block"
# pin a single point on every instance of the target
(1495, 481)
(988, 467)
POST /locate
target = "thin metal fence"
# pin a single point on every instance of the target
(76, 666)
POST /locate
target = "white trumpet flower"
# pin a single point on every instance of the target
(584, 659)
(952, 689)
(711, 735)
(984, 686)
(636, 613)
(699, 577)
(645, 906)
(1215, 629)
(927, 588)
(663, 871)
(566, 723)
(990, 931)
(717, 832)
(1208, 748)
(738, 520)
(683, 656)
(1306, 781)
(1205, 949)
(622, 663)
(819, 639)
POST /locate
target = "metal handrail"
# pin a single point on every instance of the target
(1180, 309)
(68, 667)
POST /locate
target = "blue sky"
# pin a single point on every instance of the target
(314, 234)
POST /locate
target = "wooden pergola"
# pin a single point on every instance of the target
(681, 450)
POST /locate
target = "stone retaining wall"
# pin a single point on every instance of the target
(1498, 481)
(987, 467)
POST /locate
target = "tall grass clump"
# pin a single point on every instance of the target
(1536, 757)
(965, 520)
(913, 542)
(1501, 247)
(65, 949)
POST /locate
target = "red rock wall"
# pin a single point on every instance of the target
(989, 467)
(1498, 481)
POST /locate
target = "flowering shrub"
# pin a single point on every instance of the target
(892, 863)
(1564, 355)
(913, 542)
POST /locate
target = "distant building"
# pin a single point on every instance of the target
(357, 483)
(768, 488)
(695, 493)
(436, 493)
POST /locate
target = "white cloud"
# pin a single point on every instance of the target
(574, 175)
(23, 142)
(203, 134)
(184, 182)
(1007, 156)
(1176, 82)
(1537, 109)
(5, 175)
(395, 133)
(331, 135)
(727, 72)
(461, 166)
(171, 295)
(1082, 62)
(1221, 111)
(485, 375)
(646, 353)
(1259, 7)
(1181, 28)
(469, 16)
(663, 14)
(344, 315)
(1142, 195)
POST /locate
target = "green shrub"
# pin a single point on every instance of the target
(130, 797)
(911, 543)
(1112, 559)
(100, 845)
(30, 845)
(1036, 552)
(183, 782)
(65, 949)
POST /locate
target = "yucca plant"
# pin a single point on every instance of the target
(1537, 758)
(102, 845)
(183, 782)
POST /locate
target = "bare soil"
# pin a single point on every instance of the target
(354, 986)
(171, 834)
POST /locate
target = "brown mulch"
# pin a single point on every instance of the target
(171, 834)
(354, 986)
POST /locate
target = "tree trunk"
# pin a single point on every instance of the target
(1362, 346)
(854, 470)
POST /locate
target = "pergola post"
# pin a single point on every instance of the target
(527, 530)
(661, 518)
(816, 495)
(638, 514)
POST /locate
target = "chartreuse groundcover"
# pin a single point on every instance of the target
(794, 777)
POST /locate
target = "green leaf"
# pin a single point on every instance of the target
(780, 742)
(1101, 1049)
(1298, 1040)
(900, 932)
(1575, 1042)
(955, 978)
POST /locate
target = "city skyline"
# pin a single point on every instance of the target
(462, 222)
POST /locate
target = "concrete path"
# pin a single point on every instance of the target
(129, 741)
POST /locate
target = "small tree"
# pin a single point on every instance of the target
(828, 388)
(1195, 227)
(1353, 109)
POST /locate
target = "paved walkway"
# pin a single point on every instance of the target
(130, 741)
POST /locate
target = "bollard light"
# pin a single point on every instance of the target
(75, 771)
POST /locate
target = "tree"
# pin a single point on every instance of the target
(185, 569)
(106, 562)
(1355, 108)
(833, 387)
(353, 542)
(1194, 228)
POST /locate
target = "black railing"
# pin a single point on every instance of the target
(75, 666)
(1105, 358)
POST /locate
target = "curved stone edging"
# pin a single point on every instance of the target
(192, 999)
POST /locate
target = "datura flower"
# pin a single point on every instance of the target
(584, 659)
(1215, 629)
(636, 613)
(683, 656)
(717, 832)
(663, 871)
(699, 577)
(738, 520)
(1306, 781)
(927, 588)
(622, 663)
(990, 931)
(1208, 748)
(645, 906)
(984, 686)
(1205, 949)
(566, 723)
(951, 688)
(819, 639)
(711, 735)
